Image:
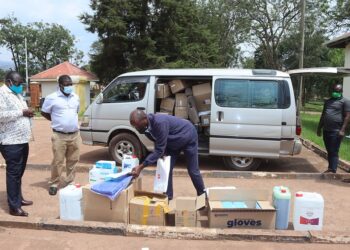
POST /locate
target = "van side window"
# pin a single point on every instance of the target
(126, 89)
(245, 93)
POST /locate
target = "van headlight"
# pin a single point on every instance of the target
(85, 121)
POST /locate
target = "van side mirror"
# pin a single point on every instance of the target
(99, 98)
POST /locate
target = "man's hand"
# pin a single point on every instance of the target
(318, 132)
(135, 172)
(28, 112)
(341, 133)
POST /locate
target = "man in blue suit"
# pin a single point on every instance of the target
(171, 136)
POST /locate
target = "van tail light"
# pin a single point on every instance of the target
(298, 130)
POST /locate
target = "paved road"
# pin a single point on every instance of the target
(40, 153)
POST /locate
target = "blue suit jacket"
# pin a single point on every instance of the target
(169, 133)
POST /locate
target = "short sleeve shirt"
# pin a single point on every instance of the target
(63, 110)
(334, 112)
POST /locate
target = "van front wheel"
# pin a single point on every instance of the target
(124, 143)
(241, 163)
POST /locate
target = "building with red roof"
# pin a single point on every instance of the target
(45, 83)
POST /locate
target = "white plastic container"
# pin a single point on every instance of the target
(129, 162)
(71, 203)
(281, 201)
(308, 211)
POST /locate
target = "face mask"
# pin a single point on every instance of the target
(336, 94)
(17, 89)
(68, 89)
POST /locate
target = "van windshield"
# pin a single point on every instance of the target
(245, 93)
(126, 89)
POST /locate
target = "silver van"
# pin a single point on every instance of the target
(252, 114)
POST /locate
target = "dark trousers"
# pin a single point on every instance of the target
(191, 154)
(16, 160)
(332, 142)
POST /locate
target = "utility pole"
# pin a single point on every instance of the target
(301, 53)
(26, 50)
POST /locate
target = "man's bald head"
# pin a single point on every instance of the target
(338, 87)
(138, 119)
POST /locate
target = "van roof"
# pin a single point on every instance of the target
(208, 72)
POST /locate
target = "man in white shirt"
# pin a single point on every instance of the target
(15, 133)
(61, 108)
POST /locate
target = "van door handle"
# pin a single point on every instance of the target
(141, 108)
(220, 116)
(284, 123)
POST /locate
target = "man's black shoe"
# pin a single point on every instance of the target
(329, 171)
(346, 180)
(26, 203)
(53, 190)
(18, 212)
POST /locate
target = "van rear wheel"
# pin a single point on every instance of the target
(124, 143)
(241, 163)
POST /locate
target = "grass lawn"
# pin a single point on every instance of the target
(309, 128)
(313, 106)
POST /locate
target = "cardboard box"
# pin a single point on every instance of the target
(186, 209)
(148, 208)
(170, 216)
(99, 208)
(177, 86)
(241, 208)
(167, 105)
(192, 110)
(162, 90)
(202, 96)
(205, 120)
(202, 218)
(181, 100)
(181, 112)
(188, 92)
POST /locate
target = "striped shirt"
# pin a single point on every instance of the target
(14, 127)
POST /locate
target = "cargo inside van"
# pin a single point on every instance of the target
(188, 98)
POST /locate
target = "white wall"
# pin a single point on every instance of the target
(48, 88)
(346, 81)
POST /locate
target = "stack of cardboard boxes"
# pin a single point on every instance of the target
(224, 208)
(190, 102)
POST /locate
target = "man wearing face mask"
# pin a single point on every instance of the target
(61, 108)
(334, 120)
(171, 135)
(15, 133)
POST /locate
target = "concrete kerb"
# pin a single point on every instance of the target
(156, 231)
(84, 168)
(345, 165)
(110, 228)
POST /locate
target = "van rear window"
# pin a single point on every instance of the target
(245, 93)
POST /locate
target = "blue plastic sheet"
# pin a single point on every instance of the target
(112, 188)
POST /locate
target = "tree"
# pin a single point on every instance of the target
(12, 35)
(47, 44)
(169, 33)
(270, 20)
(339, 16)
